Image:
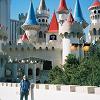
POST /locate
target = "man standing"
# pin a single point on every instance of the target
(24, 88)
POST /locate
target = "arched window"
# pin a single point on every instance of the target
(39, 20)
(53, 37)
(43, 20)
(46, 20)
(40, 48)
(99, 31)
(8, 72)
(53, 48)
(34, 48)
(66, 34)
(44, 35)
(94, 31)
(30, 72)
(40, 34)
(99, 11)
(10, 49)
(95, 16)
(22, 49)
(46, 48)
(94, 11)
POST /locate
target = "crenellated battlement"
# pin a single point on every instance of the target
(11, 91)
(20, 47)
(68, 88)
(22, 16)
(9, 84)
(60, 88)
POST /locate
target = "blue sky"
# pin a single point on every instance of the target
(21, 6)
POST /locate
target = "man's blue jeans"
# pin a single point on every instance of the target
(22, 95)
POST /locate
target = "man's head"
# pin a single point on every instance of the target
(24, 77)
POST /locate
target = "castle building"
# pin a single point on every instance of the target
(95, 20)
(42, 45)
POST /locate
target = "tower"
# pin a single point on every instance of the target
(42, 15)
(52, 35)
(95, 20)
(72, 31)
(62, 12)
(5, 14)
(31, 26)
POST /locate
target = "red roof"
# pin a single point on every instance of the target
(62, 6)
(53, 28)
(70, 18)
(95, 4)
(24, 37)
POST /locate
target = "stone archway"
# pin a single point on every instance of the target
(8, 75)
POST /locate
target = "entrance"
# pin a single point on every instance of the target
(47, 65)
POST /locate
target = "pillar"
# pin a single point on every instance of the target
(3, 68)
(15, 71)
(34, 73)
(26, 70)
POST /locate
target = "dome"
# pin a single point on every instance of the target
(95, 4)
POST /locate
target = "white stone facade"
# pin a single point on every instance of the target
(50, 92)
(48, 53)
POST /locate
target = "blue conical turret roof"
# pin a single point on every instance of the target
(77, 12)
(31, 19)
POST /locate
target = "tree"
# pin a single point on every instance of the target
(75, 72)
(55, 75)
(65, 75)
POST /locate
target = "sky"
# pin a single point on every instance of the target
(21, 6)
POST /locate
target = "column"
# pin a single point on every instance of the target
(34, 73)
(3, 69)
(15, 71)
(41, 65)
(26, 70)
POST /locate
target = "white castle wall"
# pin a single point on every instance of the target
(11, 91)
(95, 17)
(66, 49)
(29, 51)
